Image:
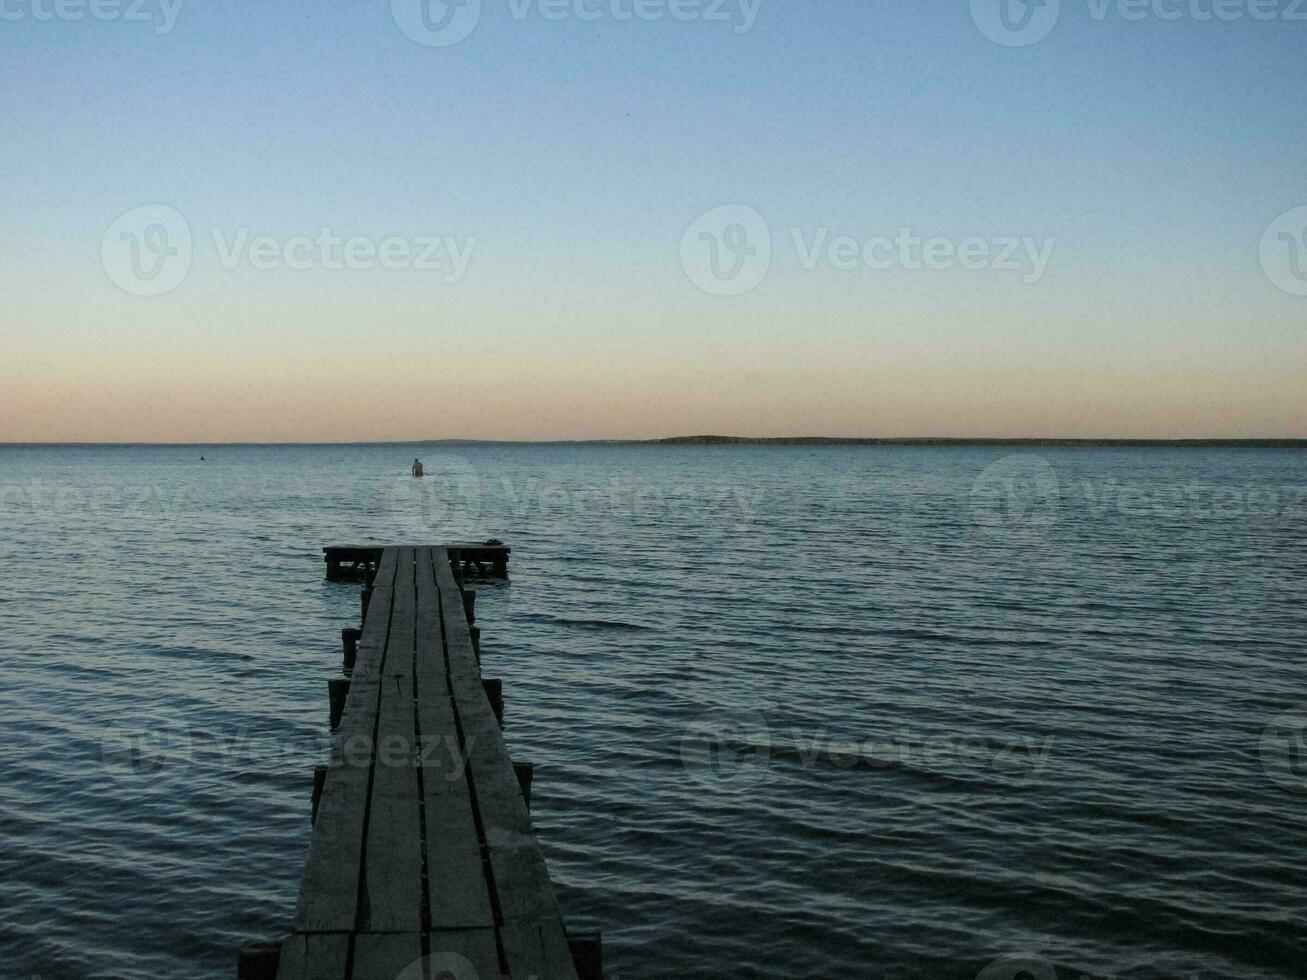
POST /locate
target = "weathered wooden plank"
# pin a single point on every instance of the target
(538, 950)
(392, 894)
(502, 807)
(388, 956)
(470, 691)
(464, 953)
(374, 629)
(521, 879)
(314, 957)
(459, 897)
(431, 665)
(442, 756)
(329, 890)
(499, 796)
(458, 639)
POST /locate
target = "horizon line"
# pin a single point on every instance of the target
(1275, 442)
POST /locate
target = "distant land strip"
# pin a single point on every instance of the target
(964, 441)
(710, 440)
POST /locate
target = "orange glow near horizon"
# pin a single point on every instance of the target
(175, 394)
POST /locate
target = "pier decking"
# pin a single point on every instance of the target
(355, 563)
(423, 861)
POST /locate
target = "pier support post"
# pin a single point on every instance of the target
(319, 784)
(259, 963)
(350, 639)
(587, 951)
(476, 641)
(338, 691)
(526, 772)
(470, 605)
(495, 694)
(367, 598)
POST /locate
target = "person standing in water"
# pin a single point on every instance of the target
(417, 467)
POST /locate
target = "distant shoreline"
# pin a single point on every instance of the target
(713, 440)
(978, 441)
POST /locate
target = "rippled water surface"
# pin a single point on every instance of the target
(833, 712)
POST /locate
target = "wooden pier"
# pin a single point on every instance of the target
(423, 861)
(357, 563)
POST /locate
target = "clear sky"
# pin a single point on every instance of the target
(1136, 166)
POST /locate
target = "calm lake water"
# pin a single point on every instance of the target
(833, 712)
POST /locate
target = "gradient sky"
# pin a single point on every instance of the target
(1154, 153)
